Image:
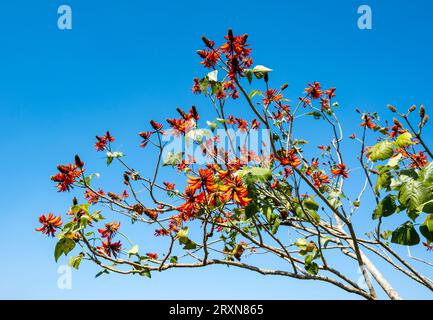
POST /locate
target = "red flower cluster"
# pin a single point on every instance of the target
(110, 230)
(340, 170)
(101, 142)
(110, 248)
(93, 197)
(49, 224)
(67, 176)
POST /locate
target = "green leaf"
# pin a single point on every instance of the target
(311, 204)
(403, 140)
(182, 234)
(426, 207)
(74, 262)
(254, 93)
(310, 266)
(381, 151)
(394, 161)
(301, 243)
(63, 246)
(112, 155)
(173, 159)
(257, 173)
(249, 75)
(173, 259)
(259, 71)
(386, 207)
(213, 125)
(412, 195)
(405, 235)
(386, 234)
(426, 228)
(384, 179)
(426, 173)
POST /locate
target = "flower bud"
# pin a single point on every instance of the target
(422, 111)
(411, 109)
(284, 86)
(208, 42)
(78, 161)
(392, 108)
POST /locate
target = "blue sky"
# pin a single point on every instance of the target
(125, 62)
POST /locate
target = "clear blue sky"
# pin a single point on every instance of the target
(126, 62)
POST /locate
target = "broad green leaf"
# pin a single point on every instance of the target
(426, 207)
(405, 235)
(311, 204)
(173, 259)
(412, 195)
(384, 179)
(393, 162)
(74, 262)
(63, 246)
(381, 151)
(426, 173)
(426, 228)
(403, 140)
(385, 208)
(257, 173)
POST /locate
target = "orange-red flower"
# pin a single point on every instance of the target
(110, 230)
(204, 179)
(289, 159)
(210, 57)
(419, 160)
(152, 255)
(340, 170)
(368, 123)
(271, 95)
(66, 177)
(93, 197)
(110, 248)
(314, 90)
(101, 142)
(49, 224)
(169, 186)
(235, 190)
(146, 136)
(319, 179)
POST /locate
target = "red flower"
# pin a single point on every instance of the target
(330, 92)
(152, 256)
(101, 142)
(289, 159)
(146, 136)
(255, 124)
(428, 246)
(196, 89)
(271, 95)
(169, 186)
(367, 123)
(49, 224)
(340, 170)
(67, 176)
(93, 197)
(110, 248)
(205, 179)
(110, 230)
(419, 160)
(319, 179)
(235, 190)
(156, 125)
(210, 57)
(314, 90)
